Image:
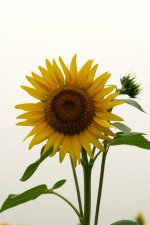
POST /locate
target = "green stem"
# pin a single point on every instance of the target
(93, 151)
(87, 189)
(77, 187)
(69, 203)
(93, 160)
(100, 187)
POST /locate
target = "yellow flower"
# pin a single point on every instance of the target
(4, 223)
(72, 109)
(141, 219)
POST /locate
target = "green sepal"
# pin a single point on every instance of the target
(122, 127)
(33, 167)
(44, 100)
(129, 86)
(133, 103)
(132, 138)
(124, 222)
(31, 194)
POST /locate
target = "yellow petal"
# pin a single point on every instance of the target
(27, 123)
(40, 87)
(38, 128)
(93, 71)
(103, 129)
(94, 141)
(47, 77)
(67, 147)
(73, 69)
(97, 133)
(74, 159)
(31, 115)
(105, 106)
(84, 72)
(90, 76)
(58, 73)
(66, 70)
(34, 93)
(101, 122)
(57, 143)
(104, 92)
(53, 136)
(108, 116)
(63, 149)
(99, 83)
(51, 71)
(40, 137)
(41, 80)
(85, 143)
(112, 96)
(76, 147)
(31, 106)
(33, 120)
(71, 150)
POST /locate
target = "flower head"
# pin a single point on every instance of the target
(71, 111)
(140, 219)
(129, 86)
(4, 224)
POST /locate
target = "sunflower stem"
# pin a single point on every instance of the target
(87, 189)
(93, 151)
(104, 154)
(69, 203)
(93, 160)
(77, 187)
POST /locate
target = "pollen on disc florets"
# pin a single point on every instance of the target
(69, 110)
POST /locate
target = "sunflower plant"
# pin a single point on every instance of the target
(73, 116)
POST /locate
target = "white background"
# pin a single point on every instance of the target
(116, 34)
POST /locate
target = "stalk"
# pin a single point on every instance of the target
(68, 202)
(100, 187)
(87, 189)
(77, 187)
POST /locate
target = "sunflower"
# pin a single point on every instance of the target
(4, 224)
(140, 219)
(72, 111)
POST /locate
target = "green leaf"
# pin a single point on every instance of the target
(33, 167)
(59, 184)
(133, 103)
(33, 193)
(132, 138)
(122, 127)
(124, 222)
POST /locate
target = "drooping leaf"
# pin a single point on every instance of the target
(33, 167)
(122, 127)
(133, 103)
(59, 184)
(31, 194)
(132, 138)
(124, 222)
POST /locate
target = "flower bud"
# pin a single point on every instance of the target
(129, 86)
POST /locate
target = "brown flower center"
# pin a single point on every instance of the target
(69, 110)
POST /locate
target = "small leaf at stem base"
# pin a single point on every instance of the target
(59, 184)
(33, 167)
